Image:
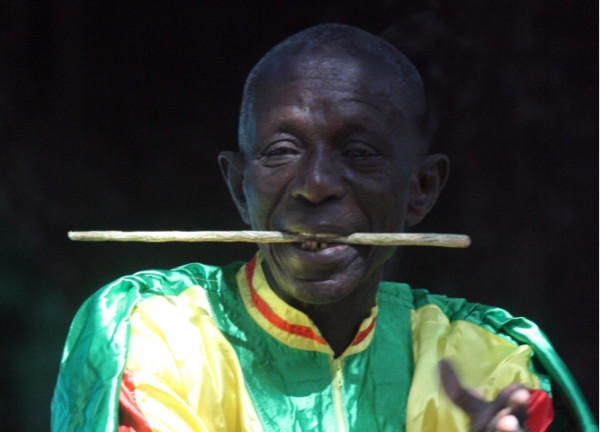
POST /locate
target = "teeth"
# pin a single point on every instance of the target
(313, 245)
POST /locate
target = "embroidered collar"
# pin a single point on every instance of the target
(284, 322)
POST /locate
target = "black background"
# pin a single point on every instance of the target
(112, 115)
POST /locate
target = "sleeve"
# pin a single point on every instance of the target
(555, 378)
(483, 360)
(182, 374)
(87, 388)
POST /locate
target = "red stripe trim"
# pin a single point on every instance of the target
(131, 418)
(363, 334)
(540, 411)
(271, 316)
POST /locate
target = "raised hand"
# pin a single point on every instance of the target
(506, 413)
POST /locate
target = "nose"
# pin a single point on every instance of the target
(318, 178)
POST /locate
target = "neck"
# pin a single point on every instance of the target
(339, 322)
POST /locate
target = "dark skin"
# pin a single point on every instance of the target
(506, 413)
(331, 152)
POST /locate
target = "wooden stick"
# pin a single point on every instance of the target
(379, 239)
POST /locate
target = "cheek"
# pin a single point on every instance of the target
(385, 201)
(262, 192)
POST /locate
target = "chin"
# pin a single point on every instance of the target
(322, 292)
(318, 279)
(326, 289)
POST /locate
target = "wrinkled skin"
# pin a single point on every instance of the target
(330, 151)
(331, 154)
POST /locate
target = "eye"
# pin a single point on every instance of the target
(280, 152)
(359, 151)
(358, 154)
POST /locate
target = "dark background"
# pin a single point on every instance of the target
(112, 115)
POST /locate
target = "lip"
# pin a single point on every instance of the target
(322, 251)
(316, 262)
(315, 242)
(334, 257)
(319, 232)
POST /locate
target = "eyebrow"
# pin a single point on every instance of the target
(362, 102)
(390, 101)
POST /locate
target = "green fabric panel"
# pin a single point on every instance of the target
(377, 381)
(95, 353)
(292, 389)
(521, 331)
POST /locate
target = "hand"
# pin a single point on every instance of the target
(506, 413)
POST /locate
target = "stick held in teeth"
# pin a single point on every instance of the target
(378, 239)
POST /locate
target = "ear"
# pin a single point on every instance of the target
(426, 183)
(232, 167)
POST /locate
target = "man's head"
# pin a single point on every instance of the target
(408, 91)
(331, 141)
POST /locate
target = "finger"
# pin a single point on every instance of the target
(518, 402)
(488, 420)
(508, 411)
(513, 396)
(466, 400)
(508, 423)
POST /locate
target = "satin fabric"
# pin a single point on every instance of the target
(523, 331)
(279, 378)
(197, 357)
(95, 353)
(131, 418)
(482, 360)
(292, 377)
(186, 374)
(191, 353)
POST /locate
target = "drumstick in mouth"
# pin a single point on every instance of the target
(377, 239)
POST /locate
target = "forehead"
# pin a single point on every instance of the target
(331, 72)
(330, 91)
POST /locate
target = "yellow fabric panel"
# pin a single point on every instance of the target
(482, 360)
(186, 374)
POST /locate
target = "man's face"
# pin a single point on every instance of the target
(329, 153)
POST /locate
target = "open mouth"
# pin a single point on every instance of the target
(314, 245)
(315, 242)
(316, 255)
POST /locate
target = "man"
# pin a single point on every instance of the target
(306, 336)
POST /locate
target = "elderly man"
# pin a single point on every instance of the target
(306, 336)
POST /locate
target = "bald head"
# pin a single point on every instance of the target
(404, 85)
